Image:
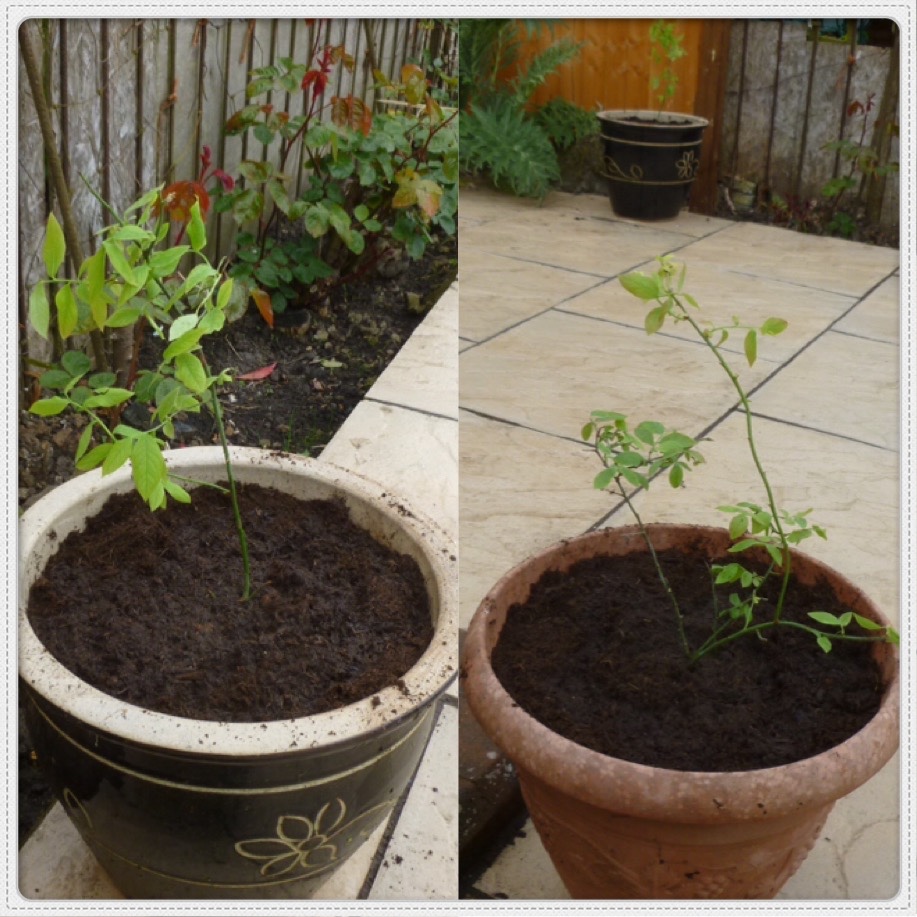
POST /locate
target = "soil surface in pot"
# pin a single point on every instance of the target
(146, 607)
(594, 654)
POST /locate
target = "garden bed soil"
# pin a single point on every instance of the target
(594, 654)
(334, 615)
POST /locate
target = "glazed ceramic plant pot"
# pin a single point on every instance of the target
(181, 808)
(651, 160)
(615, 829)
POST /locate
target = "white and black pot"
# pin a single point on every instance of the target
(650, 160)
(180, 808)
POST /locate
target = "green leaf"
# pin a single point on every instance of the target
(224, 296)
(123, 317)
(67, 311)
(648, 431)
(256, 171)
(190, 372)
(182, 324)
(197, 232)
(76, 363)
(176, 492)
(676, 475)
(751, 347)
(55, 379)
(640, 285)
(655, 319)
(604, 478)
(94, 457)
(40, 310)
(184, 344)
(247, 206)
(635, 478)
(317, 221)
(825, 617)
(629, 460)
(49, 407)
(108, 398)
(728, 574)
(744, 545)
(774, 326)
(119, 453)
(823, 642)
(119, 262)
(83, 444)
(738, 526)
(148, 466)
(867, 623)
(675, 443)
(55, 247)
(165, 263)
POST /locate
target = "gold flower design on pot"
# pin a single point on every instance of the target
(305, 844)
(688, 164)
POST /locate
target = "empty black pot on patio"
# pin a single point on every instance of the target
(651, 159)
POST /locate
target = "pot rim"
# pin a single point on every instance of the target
(653, 792)
(653, 118)
(422, 684)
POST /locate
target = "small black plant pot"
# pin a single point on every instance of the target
(651, 160)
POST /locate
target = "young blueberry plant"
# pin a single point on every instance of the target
(634, 456)
(132, 278)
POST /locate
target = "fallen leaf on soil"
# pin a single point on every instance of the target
(257, 374)
(263, 302)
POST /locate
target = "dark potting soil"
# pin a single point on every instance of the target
(146, 607)
(594, 654)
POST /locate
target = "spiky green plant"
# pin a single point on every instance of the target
(498, 135)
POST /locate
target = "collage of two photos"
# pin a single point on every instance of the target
(459, 461)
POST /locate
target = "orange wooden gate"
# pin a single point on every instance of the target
(614, 68)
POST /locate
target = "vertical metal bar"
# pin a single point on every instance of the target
(224, 114)
(64, 108)
(851, 63)
(773, 122)
(169, 166)
(203, 27)
(816, 33)
(139, 145)
(738, 133)
(104, 108)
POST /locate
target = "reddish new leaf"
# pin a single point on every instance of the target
(256, 375)
(178, 198)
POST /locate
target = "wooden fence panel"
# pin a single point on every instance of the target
(614, 68)
(787, 99)
(133, 102)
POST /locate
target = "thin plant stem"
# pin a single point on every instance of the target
(234, 497)
(679, 618)
(749, 434)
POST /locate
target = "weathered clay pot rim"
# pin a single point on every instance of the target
(425, 681)
(652, 792)
(652, 118)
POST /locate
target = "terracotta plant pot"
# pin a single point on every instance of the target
(651, 161)
(180, 808)
(615, 829)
